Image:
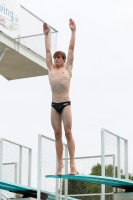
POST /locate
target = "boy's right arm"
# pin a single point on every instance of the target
(47, 46)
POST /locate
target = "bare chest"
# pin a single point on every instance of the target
(59, 76)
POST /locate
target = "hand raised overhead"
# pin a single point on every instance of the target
(72, 24)
(46, 28)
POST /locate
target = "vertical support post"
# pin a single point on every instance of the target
(66, 172)
(114, 175)
(102, 162)
(1, 157)
(57, 183)
(55, 43)
(16, 173)
(1, 161)
(29, 167)
(60, 188)
(20, 165)
(118, 158)
(126, 160)
(39, 167)
(114, 166)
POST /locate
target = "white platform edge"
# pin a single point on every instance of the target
(13, 44)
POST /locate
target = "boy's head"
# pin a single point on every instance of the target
(59, 54)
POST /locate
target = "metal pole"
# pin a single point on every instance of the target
(118, 158)
(126, 160)
(20, 165)
(114, 166)
(55, 42)
(66, 172)
(15, 143)
(102, 162)
(29, 167)
(1, 161)
(57, 183)
(114, 134)
(60, 188)
(114, 174)
(39, 167)
(16, 173)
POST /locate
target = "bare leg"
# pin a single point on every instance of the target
(56, 124)
(67, 121)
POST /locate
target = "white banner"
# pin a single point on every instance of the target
(10, 15)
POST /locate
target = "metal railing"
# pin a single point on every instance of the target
(51, 159)
(91, 159)
(15, 170)
(118, 146)
(20, 159)
(31, 35)
(19, 167)
(46, 162)
(9, 174)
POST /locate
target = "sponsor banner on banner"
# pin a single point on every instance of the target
(10, 15)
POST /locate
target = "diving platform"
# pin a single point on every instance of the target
(17, 61)
(20, 189)
(22, 54)
(110, 181)
(28, 191)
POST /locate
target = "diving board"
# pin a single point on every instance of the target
(20, 189)
(28, 191)
(110, 181)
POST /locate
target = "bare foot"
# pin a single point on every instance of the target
(73, 169)
(59, 168)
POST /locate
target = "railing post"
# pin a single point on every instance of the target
(126, 160)
(66, 172)
(1, 161)
(16, 173)
(102, 162)
(20, 165)
(114, 172)
(39, 167)
(57, 183)
(118, 158)
(29, 167)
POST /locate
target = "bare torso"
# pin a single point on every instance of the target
(59, 79)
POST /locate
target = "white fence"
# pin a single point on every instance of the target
(9, 173)
(114, 144)
(16, 159)
(47, 163)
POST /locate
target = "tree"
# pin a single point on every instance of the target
(80, 187)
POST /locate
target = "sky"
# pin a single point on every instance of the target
(102, 83)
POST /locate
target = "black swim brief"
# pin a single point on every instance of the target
(60, 106)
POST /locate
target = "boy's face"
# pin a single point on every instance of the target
(58, 61)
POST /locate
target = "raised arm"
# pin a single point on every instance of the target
(70, 56)
(46, 30)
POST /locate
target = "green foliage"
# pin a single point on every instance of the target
(80, 187)
(130, 177)
(96, 170)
